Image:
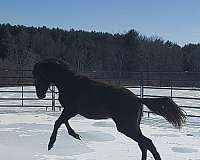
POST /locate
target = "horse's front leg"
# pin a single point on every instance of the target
(64, 117)
(71, 131)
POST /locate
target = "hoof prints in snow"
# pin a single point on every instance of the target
(184, 150)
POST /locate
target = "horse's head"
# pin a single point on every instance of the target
(42, 82)
(49, 71)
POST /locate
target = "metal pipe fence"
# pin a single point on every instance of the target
(19, 91)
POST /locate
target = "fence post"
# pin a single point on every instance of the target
(171, 90)
(141, 86)
(119, 77)
(53, 97)
(22, 81)
(142, 89)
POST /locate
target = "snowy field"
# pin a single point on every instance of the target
(25, 132)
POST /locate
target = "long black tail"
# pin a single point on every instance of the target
(167, 108)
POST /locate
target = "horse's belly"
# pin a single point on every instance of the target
(94, 105)
(95, 116)
(94, 112)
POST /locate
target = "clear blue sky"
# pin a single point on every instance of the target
(174, 20)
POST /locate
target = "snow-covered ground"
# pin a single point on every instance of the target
(25, 132)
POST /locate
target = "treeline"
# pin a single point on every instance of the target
(21, 47)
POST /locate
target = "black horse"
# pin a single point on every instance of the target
(96, 100)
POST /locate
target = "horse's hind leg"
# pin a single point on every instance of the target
(134, 133)
(146, 142)
(144, 151)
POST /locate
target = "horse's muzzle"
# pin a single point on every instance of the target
(41, 96)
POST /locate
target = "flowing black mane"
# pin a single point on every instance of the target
(52, 63)
(97, 100)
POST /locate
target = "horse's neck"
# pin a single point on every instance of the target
(64, 83)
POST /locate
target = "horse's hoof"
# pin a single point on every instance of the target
(49, 147)
(77, 136)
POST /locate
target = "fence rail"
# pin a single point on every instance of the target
(17, 88)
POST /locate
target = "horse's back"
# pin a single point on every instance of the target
(102, 100)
